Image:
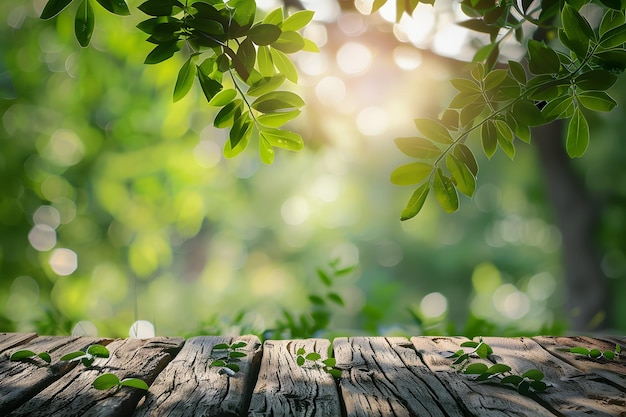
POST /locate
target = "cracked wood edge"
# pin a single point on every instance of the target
(285, 389)
(384, 376)
(613, 371)
(570, 390)
(22, 380)
(11, 340)
(475, 398)
(189, 386)
(73, 394)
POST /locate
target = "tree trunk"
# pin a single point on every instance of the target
(577, 218)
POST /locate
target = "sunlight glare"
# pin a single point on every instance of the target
(354, 58)
(295, 210)
(330, 91)
(364, 6)
(417, 28)
(326, 188)
(372, 121)
(449, 39)
(434, 305)
(313, 64)
(317, 33)
(141, 329)
(406, 57)
(325, 10)
(351, 24)
(511, 302)
(63, 261)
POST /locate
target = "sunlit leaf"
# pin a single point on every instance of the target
(465, 85)
(283, 139)
(433, 130)
(462, 176)
(266, 151)
(416, 202)
(298, 20)
(445, 192)
(73, 355)
(284, 65)
(289, 42)
(53, 8)
(596, 100)
(277, 101)
(277, 119)
(185, 79)
(494, 79)
(264, 33)
(223, 97)
(227, 114)
(84, 23)
(413, 173)
(106, 381)
(417, 147)
(313, 356)
(498, 368)
(505, 138)
(275, 17)
(463, 153)
(300, 360)
(577, 138)
(98, 350)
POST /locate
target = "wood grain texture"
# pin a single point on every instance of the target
(385, 377)
(188, 386)
(286, 389)
(476, 399)
(73, 394)
(571, 391)
(21, 380)
(11, 340)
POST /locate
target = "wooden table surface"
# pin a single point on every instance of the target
(380, 376)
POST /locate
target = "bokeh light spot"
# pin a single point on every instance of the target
(372, 121)
(541, 286)
(64, 148)
(85, 328)
(354, 58)
(63, 261)
(434, 305)
(295, 210)
(330, 91)
(141, 329)
(47, 215)
(407, 57)
(42, 237)
(486, 278)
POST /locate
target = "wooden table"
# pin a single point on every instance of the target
(380, 376)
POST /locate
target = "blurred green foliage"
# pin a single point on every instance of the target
(117, 205)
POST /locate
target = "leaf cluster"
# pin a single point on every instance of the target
(103, 382)
(499, 102)
(225, 356)
(596, 354)
(498, 373)
(327, 365)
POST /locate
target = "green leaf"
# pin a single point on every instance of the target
(284, 65)
(106, 381)
(220, 346)
(476, 368)
(300, 351)
(84, 23)
(162, 52)
(494, 79)
(317, 300)
(265, 85)
(238, 345)
(577, 138)
(233, 367)
(595, 353)
(223, 97)
(87, 361)
(73, 355)
(289, 42)
(377, 5)
(609, 354)
(335, 298)
(595, 80)
(527, 113)
(185, 79)
(313, 356)
(484, 350)
(227, 115)
(505, 138)
(489, 138)
(538, 386)
(22, 354)
(463, 153)
(264, 33)
(118, 7)
(45, 356)
(98, 351)
(413, 173)
(265, 64)
(275, 17)
(298, 20)
(417, 147)
(614, 37)
(277, 101)
(237, 355)
(239, 136)
(517, 71)
(433, 130)
(534, 374)
(245, 59)
(300, 360)
(471, 112)
(160, 7)
(53, 8)
(560, 107)
(512, 379)
(465, 85)
(217, 363)
(244, 11)
(596, 100)
(498, 368)
(336, 373)
(611, 20)
(330, 362)
(542, 59)
(445, 192)
(283, 139)
(461, 175)
(469, 344)
(277, 119)
(416, 202)
(134, 383)
(210, 87)
(577, 29)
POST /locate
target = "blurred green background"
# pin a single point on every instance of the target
(117, 205)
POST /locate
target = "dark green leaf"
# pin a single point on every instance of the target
(416, 202)
(134, 383)
(577, 29)
(494, 79)
(283, 139)
(614, 37)
(611, 20)
(595, 353)
(335, 298)
(72, 355)
(418, 147)
(277, 101)
(106, 381)
(524, 388)
(560, 107)
(264, 33)
(489, 138)
(235, 355)
(538, 386)
(233, 367)
(185, 79)
(218, 363)
(160, 7)
(413, 173)
(98, 351)
(527, 113)
(512, 379)
(518, 72)
(463, 153)
(300, 360)
(289, 42)
(498, 368)
(445, 192)
(238, 345)
(317, 300)
(476, 368)
(84, 23)
(210, 87)
(596, 100)
(596, 80)
(505, 138)
(162, 52)
(298, 20)
(609, 354)
(22, 354)
(577, 138)
(484, 350)
(118, 7)
(221, 346)
(542, 59)
(245, 59)
(244, 11)
(313, 356)
(470, 113)
(45, 356)
(534, 374)
(53, 8)
(87, 361)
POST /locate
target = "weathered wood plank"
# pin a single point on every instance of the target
(613, 371)
(73, 394)
(385, 377)
(188, 386)
(20, 381)
(475, 398)
(286, 389)
(11, 340)
(571, 392)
